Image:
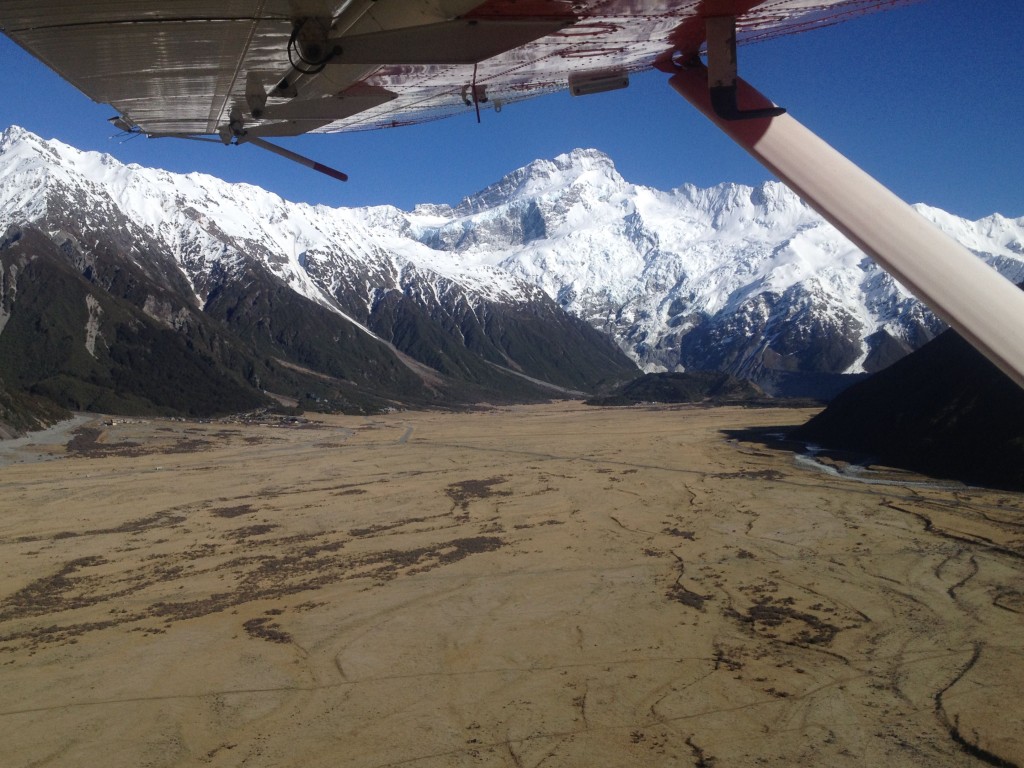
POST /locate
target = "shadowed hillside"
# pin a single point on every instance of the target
(945, 410)
(689, 387)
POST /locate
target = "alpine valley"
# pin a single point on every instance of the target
(132, 290)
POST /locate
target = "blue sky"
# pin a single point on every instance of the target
(928, 98)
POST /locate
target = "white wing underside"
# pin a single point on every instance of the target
(192, 66)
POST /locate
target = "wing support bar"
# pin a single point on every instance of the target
(986, 308)
(722, 72)
(241, 137)
(293, 156)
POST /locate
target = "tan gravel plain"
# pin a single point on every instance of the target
(550, 585)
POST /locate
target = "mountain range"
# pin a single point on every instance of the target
(748, 281)
(132, 289)
(125, 289)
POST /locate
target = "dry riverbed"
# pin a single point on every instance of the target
(549, 585)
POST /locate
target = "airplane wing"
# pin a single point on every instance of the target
(285, 67)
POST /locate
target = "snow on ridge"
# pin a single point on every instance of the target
(641, 260)
(541, 177)
(641, 263)
(236, 218)
(478, 279)
(1005, 234)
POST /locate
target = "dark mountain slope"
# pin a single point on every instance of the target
(86, 348)
(20, 412)
(945, 410)
(689, 387)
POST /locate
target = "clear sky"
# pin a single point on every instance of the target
(928, 98)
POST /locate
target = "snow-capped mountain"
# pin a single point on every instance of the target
(298, 300)
(205, 222)
(746, 280)
(508, 285)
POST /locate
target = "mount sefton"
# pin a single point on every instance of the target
(129, 289)
(748, 281)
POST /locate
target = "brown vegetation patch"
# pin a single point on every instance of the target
(687, 597)
(156, 520)
(50, 593)
(688, 535)
(83, 439)
(237, 511)
(376, 530)
(86, 443)
(464, 492)
(251, 530)
(266, 629)
(422, 559)
(769, 614)
(760, 474)
(53, 634)
(185, 445)
(521, 526)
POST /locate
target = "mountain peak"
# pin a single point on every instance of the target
(542, 177)
(15, 136)
(23, 144)
(12, 134)
(586, 159)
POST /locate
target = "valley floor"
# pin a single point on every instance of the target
(548, 585)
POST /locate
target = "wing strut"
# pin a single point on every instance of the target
(240, 137)
(293, 156)
(986, 308)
